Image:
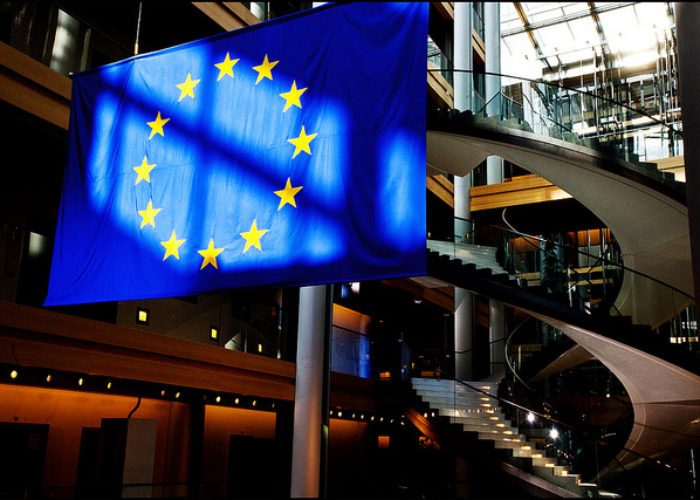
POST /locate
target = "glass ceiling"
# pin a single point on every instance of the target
(568, 34)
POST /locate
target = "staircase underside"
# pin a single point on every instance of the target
(647, 215)
(665, 398)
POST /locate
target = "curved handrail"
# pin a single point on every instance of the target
(603, 259)
(557, 85)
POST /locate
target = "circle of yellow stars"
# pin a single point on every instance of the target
(301, 144)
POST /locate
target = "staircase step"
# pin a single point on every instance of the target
(444, 384)
(470, 418)
(570, 482)
(493, 436)
(463, 406)
(452, 400)
(526, 450)
(457, 391)
(500, 431)
(543, 462)
(515, 446)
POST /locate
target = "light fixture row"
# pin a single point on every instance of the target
(96, 383)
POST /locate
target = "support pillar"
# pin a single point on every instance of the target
(307, 441)
(463, 56)
(463, 85)
(689, 71)
(492, 41)
(497, 337)
(464, 333)
(310, 439)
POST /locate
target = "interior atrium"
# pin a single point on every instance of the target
(552, 349)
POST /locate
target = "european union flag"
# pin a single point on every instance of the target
(290, 152)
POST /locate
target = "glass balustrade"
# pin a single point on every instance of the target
(577, 117)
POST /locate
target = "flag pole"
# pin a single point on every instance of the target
(138, 30)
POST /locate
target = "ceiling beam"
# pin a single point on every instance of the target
(228, 15)
(607, 60)
(563, 19)
(531, 36)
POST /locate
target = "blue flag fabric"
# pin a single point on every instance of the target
(290, 152)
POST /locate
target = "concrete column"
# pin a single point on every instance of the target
(689, 71)
(308, 394)
(492, 41)
(464, 334)
(463, 82)
(497, 336)
(494, 170)
(307, 440)
(462, 185)
(463, 85)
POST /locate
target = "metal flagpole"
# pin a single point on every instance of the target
(138, 30)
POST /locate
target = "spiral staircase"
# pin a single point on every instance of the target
(662, 381)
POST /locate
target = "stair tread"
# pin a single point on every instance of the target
(461, 406)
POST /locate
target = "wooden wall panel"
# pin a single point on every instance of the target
(521, 191)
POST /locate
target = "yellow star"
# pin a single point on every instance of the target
(210, 254)
(287, 194)
(264, 69)
(187, 87)
(157, 126)
(292, 97)
(171, 246)
(252, 237)
(301, 143)
(226, 67)
(144, 171)
(149, 214)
